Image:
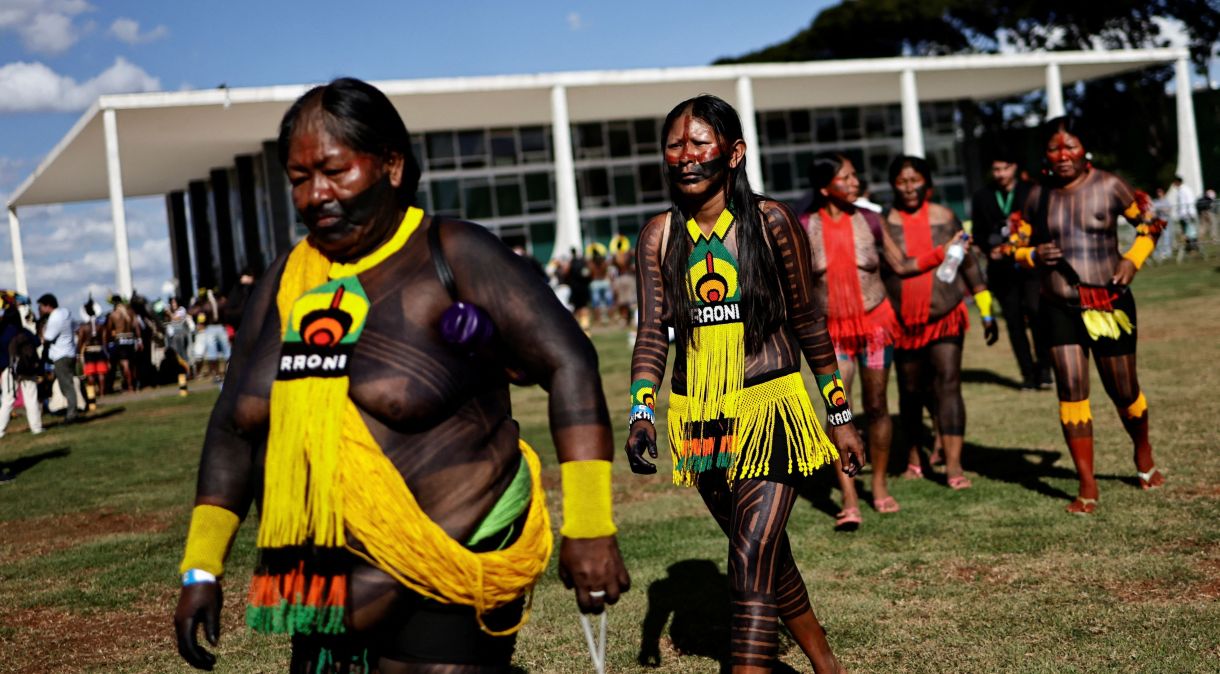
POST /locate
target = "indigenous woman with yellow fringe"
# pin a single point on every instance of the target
(729, 270)
(403, 523)
(1070, 234)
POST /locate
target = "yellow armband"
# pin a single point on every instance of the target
(1024, 256)
(207, 542)
(586, 499)
(1140, 249)
(982, 300)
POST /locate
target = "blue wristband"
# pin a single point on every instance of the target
(193, 576)
(639, 412)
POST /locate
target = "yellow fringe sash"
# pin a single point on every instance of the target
(720, 423)
(326, 476)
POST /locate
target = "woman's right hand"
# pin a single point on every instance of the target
(640, 439)
(1048, 254)
(198, 606)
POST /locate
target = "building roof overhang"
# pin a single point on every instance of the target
(167, 139)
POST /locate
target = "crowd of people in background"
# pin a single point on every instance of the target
(598, 285)
(51, 361)
(1192, 219)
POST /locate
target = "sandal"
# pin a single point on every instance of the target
(914, 472)
(1082, 506)
(960, 482)
(886, 505)
(937, 458)
(848, 520)
(1146, 479)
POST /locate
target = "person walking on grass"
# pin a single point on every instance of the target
(932, 310)
(729, 270)
(60, 339)
(21, 367)
(1070, 236)
(850, 249)
(403, 519)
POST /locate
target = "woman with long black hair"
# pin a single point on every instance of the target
(730, 271)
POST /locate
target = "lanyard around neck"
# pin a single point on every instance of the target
(1005, 202)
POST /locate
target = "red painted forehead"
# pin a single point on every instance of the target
(685, 132)
(1063, 138)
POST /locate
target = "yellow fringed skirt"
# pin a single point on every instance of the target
(742, 440)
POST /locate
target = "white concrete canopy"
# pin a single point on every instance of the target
(134, 145)
(169, 139)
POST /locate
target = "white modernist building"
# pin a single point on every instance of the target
(547, 160)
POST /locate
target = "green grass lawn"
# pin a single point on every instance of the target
(994, 579)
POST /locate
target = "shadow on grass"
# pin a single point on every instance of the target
(819, 491)
(23, 463)
(696, 595)
(97, 416)
(1025, 467)
(82, 418)
(975, 376)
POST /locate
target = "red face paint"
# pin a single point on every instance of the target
(1066, 156)
(845, 186)
(692, 152)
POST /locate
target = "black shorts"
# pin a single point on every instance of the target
(1064, 326)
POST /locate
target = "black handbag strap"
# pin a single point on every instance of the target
(443, 271)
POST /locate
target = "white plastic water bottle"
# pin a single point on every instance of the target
(953, 257)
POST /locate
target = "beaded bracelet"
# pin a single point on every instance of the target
(834, 394)
(643, 401)
(639, 412)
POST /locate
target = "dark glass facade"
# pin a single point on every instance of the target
(504, 178)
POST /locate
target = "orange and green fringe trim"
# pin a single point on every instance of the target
(297, 602)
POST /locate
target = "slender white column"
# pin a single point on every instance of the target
(1054, 91)
(567, 209)
(1189, 165)
(912, 127)
(14, 232)
(749, 131)
(122, 255)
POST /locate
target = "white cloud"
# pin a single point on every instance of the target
(45, 26)
(64, 232)
(12, 169)
(69, 250)
(575, 21)
(128, 31)
(34, 87)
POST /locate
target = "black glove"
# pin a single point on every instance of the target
(991, 331)
(199, 602)
(642, 438)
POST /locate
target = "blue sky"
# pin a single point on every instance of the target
(57, 56)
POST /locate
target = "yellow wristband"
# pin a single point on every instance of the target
(207, 542)
(586, 499)
(982, 300)
(1140, 249)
